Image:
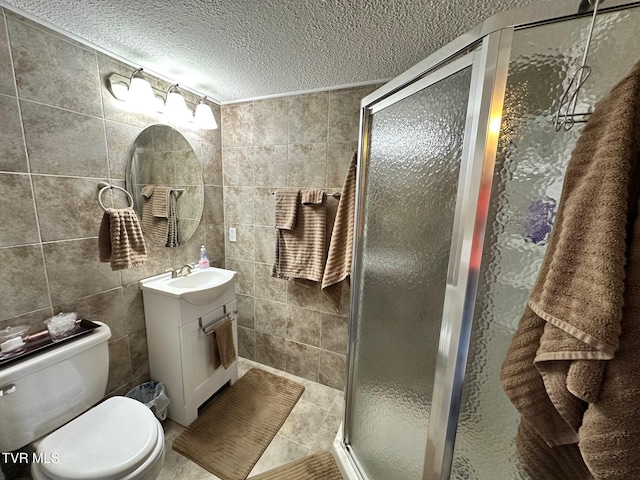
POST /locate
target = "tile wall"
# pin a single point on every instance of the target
(303, 141)
(61, 132)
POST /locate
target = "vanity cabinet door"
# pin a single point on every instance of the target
(198, 375)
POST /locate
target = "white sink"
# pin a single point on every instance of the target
(201, 287)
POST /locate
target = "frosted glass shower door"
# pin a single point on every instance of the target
(409, 188)
(527, 181)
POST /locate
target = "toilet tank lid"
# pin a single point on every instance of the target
(46, 358)
(109, 441)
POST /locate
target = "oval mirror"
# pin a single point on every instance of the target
(164, 178)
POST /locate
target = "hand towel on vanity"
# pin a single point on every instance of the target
(300, 252)
(338, 267)
(573, 367)
(120, 240)
(223, 350)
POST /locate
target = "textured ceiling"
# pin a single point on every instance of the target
(232, 50)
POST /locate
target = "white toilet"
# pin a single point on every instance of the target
(42, 396)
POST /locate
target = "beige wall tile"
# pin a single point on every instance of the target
(212, 164)
(119, 364)
(133, 308)
(60, 142)
(271, 317)
(268, 287)
(338, 157)
(106, 307)
(238, 124)
(307, 167)
(344, 113)
(13, 156)
(335, 333)
(308, 118)
(23, 280)
(120, 138)
(238, 205)
(16, 202)
(76, 214)
(237, 166)
(302, 360)
(244, 246)
(270, 166)
(74, 272)
(247, 343)
(7, 84)
(271, 119)
(264, 212)
(51, 70)
(303, 326)
(246, 307)
(265, 240)
(333, 369)
(270, 350)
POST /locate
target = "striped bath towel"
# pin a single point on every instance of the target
(338, 266)
(300, 252)
(573, 367)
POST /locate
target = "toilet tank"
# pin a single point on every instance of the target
(52, 387)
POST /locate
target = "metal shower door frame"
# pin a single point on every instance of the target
(489, 63)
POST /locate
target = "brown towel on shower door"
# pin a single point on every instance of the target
(573, 367)
(223, 349)
(120, 239)
(338, 267)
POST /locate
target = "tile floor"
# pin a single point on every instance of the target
(311, 426)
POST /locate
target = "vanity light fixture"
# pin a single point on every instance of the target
(204, 118)
(138, 92)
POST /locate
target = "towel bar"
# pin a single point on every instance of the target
(103, 186)
(213, 322)
(204, 328)
(334, 195)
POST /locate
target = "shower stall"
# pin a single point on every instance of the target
(461, 169)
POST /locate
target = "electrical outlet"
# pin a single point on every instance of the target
(232, 234)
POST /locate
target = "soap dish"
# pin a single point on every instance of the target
(13, 340)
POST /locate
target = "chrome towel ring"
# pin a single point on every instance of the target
(103, 186)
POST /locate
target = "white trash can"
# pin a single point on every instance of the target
(153, 395)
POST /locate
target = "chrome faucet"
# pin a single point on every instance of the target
(182, 271)
(189, 268)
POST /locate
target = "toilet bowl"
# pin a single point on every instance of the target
(118, 439)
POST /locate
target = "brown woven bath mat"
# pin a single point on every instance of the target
(234, 430)
(319, 466)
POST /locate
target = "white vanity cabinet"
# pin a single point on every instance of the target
(180, 350)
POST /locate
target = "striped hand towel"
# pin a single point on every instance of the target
(338, 266)
(286, 208)
(159, 215)
(300, 253)
(120, 240)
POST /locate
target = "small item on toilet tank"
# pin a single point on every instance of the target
(61, 325)
(204, 261)
(11, 344)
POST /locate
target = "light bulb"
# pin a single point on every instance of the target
(176, 107)
(204, 118)
(140, 93)
(120, 90)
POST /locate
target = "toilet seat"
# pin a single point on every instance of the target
(118, 439)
